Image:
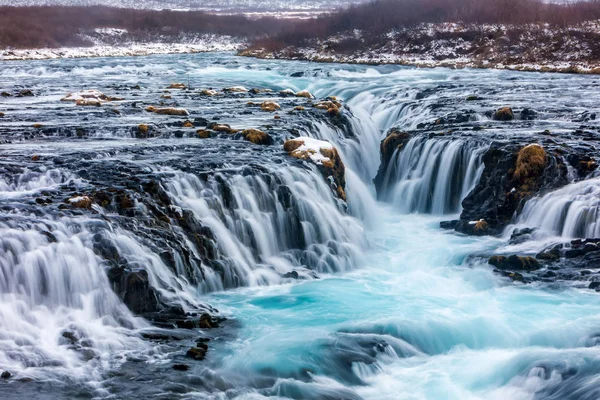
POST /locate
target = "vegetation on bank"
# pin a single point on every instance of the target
(39, 27)
(376, 19)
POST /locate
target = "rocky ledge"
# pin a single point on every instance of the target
(518, 166)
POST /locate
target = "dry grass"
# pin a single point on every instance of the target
(531, 162)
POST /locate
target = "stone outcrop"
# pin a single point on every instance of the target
(325, 156)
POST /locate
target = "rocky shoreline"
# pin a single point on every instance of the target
(532, 48)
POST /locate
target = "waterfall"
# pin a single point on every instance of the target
(571, 212)
(270, 224)
(59, 314)
(432, 175)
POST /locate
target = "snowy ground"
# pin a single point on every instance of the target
(107, 45)
(527, 48)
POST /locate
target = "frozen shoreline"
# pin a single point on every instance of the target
(208, 43)
(534, 47)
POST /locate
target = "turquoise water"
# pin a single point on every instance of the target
(450, 328)
(419, 314)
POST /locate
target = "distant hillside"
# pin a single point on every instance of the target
(52, 27)
(206, 5)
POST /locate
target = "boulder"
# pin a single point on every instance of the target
(531, 162)
(514, 262)
(81, 202)
(133, 287)
(305, 94)
(270, 106)
(221, 128)
(257, 136)
(142, 131)
(325, 156)
(168, 111)
(188, 124)
(89, 97)
(1, 114)
(235, 89)
(203, 133)
(208, 92)
(177, 86)
(504, 114)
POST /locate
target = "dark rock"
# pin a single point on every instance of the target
(197, 353)
(134, 289)
(291, 275)
(5, 375)
(181, 367)
(514, 262)
(504, 114)
(528, 114)
(594, 285)
(449, 224)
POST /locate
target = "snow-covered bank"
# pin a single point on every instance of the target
(200, 44)
(533, 47)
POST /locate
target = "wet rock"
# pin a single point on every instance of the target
(504, 114)
(291, 275)
(449, 224)
(527, 114)
(168, 111)
(26, 93)
(203, 133)
(521, 235)
(1, 114)
(5, 94)
(142, 131)
(325, 156)
(221, 128)
(269, 106)
(531, 162)
(236, 89)
(305, 94)
(207, 321)
(208, 92)
(299, 108)
(89, 98)
(257, 136)
(394, 141)
(5, 375)
(81, 202)
(197, 353)
(181, 367)
(514, 262)
(511, 176)
(179, 86)
(188, 124)
(134, 289)
(35, 157)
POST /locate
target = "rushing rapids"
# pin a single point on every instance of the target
(157, 240)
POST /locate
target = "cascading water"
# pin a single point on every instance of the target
(432, 175)
(413, 315)
(570, 212)
(265, 230)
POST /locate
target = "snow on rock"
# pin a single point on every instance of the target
(89, 97)
(325, 156)
(305, 148)
(81, 201)
(236, 89)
